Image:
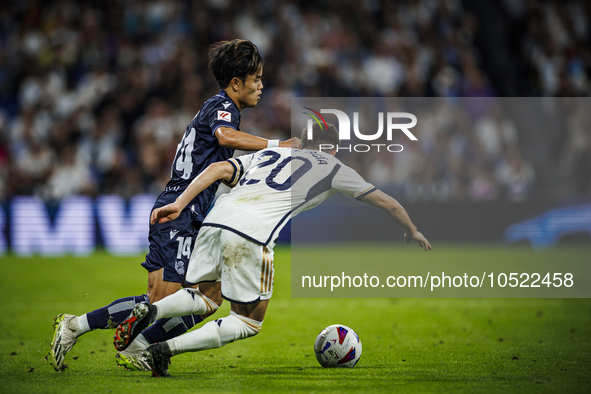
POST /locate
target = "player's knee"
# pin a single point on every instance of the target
(252, 331)
(249, 327)
(212, 290)
(157, 294)
(217, 298)
(235, 327)
(256, 331)
(159, 289)
(210, 305)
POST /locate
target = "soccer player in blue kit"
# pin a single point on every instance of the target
(212, 136)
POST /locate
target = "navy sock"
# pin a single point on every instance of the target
(165, 329)
(115, 313)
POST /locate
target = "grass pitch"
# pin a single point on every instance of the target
(409, 345)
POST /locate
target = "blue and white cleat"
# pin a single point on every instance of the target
(63, 341)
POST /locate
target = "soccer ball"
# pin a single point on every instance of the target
(337, 346)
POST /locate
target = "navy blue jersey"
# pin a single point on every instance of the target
(198, 149)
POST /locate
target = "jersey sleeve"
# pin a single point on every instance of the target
(349, 182)
(220, 116)
(241, 165)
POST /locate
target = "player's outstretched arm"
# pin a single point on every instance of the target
(397, 213)
(220, 170)
(235, 139)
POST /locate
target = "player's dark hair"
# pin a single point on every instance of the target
(236, 58)
(320, 135)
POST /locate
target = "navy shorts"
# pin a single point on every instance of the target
(171, 244)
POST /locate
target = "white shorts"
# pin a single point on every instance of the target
(245, 268)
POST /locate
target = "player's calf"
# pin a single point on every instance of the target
(216, 334)
(212, 335)
(185, 302)
(158, 288)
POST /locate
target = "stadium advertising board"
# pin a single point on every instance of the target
(77, 225)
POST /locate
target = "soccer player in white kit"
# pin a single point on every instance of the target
(235, 244)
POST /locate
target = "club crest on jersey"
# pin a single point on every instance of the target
(224, 115)
(179, 267)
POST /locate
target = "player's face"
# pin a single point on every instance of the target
(249, 92)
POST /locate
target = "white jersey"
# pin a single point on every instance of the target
(273, 185)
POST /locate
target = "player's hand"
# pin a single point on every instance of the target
(420, 238)
(291, 143)
(165, 214)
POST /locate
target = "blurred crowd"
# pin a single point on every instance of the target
(96, 95)
(467, 150)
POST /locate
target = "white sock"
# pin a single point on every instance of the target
(139, 343)
(142, 341)
(184, 302)
(79, 325)
(215, 334)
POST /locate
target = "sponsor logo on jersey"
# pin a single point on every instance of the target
(226, 105)
(173, 233)
(224, 115)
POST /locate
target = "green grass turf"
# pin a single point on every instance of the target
(409, 345)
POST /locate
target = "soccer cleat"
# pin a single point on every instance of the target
(63, 341)
(132, 361)
(132, 357)
(142, 315)
(157, 360)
